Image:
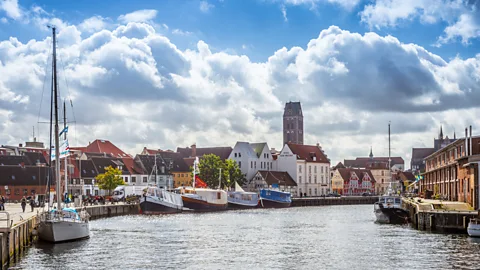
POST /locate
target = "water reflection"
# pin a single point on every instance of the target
(330, 237)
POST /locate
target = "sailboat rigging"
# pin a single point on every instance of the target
(60, 224)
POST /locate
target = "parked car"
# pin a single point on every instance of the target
(366, 194)
(333, 194)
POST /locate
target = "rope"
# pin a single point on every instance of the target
(43, 91)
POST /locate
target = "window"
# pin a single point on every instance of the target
(261, 165)
(239, 154)
(315, 191)
(34, 177)
(96, 192)
(17, 191)
(268, 166)
(309, 169)
(299, 168)
(315, 179)
(240, 164)
(321, 169)
(309, 191)
(33, 191)
(271, 165)
(300, 179)
(235, 154)
(383, 173)
(382, 183)
(309, 179)
(315, 169)
(322, 179)
(267, 155)
(25, 191)
(134, 179)
(255, 163)
(7, 191)
(145, 179)
(251, 164)
(13, 177)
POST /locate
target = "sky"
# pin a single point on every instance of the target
(167, 74)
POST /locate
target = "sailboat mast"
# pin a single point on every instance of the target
(65, 138)
(49, 179)
(220, 179)
(389, 155)
(57, 143)
(156, 170)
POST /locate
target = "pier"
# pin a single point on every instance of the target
(439, 216)
(17, 228)
(349, 200)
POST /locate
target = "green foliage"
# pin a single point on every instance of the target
(210, 166)
(110, 179)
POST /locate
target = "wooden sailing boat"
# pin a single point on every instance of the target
(60, 224)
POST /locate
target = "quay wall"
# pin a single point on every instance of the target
(425, 218)
(316, 201)
(15, 239)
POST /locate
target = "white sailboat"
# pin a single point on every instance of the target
(60, 224)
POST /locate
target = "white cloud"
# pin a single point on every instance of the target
(3, 20)
(11, 8)
(134, 79)
(205, 6)
(466, 28)
(284, 13)
(93, 24)
(144, 15)
(462, 16)
(181, 32)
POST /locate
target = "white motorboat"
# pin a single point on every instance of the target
(160, 201)
(473, 228)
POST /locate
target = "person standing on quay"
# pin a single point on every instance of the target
(3, 203)
(32, 203)
(24, 203)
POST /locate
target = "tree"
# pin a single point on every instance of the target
(232, 174)
(210, 166)
(110, 179)
(209, 169)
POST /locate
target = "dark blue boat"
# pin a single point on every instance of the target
(274, 198)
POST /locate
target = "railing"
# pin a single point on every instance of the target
(5, 221)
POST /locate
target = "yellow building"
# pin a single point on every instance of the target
(337, 182)
(182, 179)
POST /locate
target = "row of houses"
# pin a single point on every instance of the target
(300, 169)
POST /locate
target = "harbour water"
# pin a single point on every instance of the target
(325, 237)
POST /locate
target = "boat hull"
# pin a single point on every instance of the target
(391, 216)
(154, 207)
(473, 230)
(233, 205)
(266, 203)
(63, 231)
(201, 205)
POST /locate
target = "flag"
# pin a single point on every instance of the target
(195, 166)
(64, 130)
(64, 150)
(199, 182)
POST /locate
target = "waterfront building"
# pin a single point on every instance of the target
(417, 163)
(355, 181)
(451, 173)
(293, 123)
(405, 179)
(189, 153)
(23, 175)
(308, 165)
(267, 179)
(252, 157)
(176, 165)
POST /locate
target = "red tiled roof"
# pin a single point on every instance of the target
(346, 172)
(308, 152)
(105, 146)
(132, 166)
(280, 178)
(339, 165)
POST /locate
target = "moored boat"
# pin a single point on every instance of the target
(157, 201)
(473, 228)
(388, 209)
(204, 199)
(274, 198)
(240, 199)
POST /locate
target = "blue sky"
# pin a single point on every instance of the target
(257, 24)
(170, 73)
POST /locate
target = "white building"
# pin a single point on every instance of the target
(308, 166)
(252, 157)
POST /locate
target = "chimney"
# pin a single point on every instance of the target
(194, 150)
(466, 142)
(471, 143)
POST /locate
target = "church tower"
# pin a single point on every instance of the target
(293, 123)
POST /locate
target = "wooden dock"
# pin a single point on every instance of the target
(439, 216)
